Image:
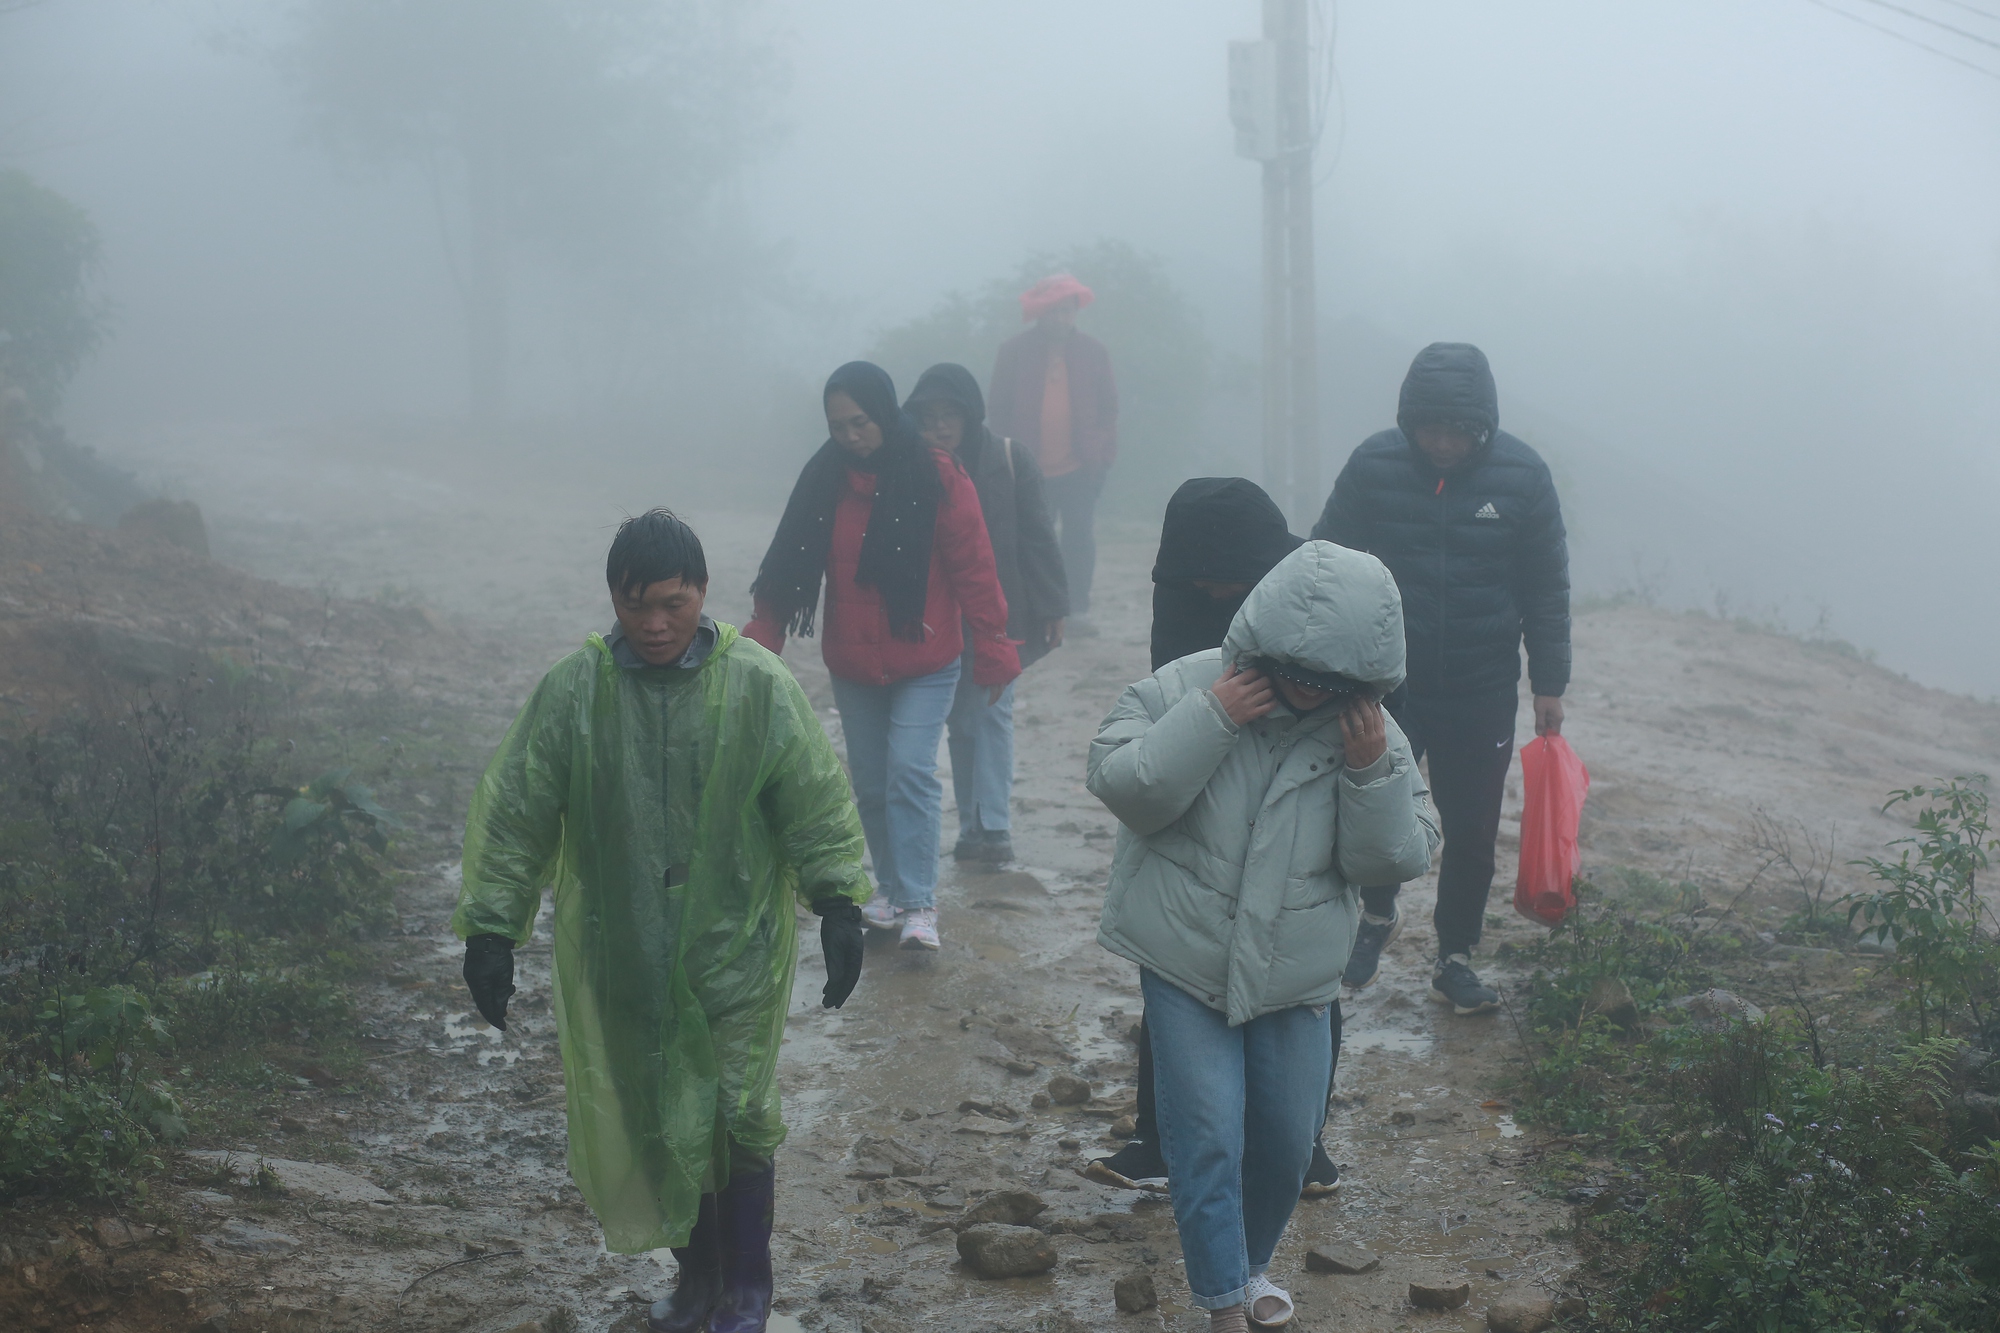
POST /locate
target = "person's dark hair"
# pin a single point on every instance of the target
(653, 547)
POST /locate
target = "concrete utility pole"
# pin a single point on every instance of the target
(1270, 102)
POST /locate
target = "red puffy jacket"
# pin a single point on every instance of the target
(854, 633)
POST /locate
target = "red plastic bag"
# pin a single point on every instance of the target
(1554, 783)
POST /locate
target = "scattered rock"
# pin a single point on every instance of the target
(240, 1237)
(115, 1233)
(1611, 999)
(879, 1158)
(291, 1125)
(1439, 1296)
(994, 1250)
(1342, 1257)
(1983, 1110)
(308, 1178)
(1570, 1307)
(1715, 1009)
(320, 1076)
(1010, 1207)
(1069, 1145)
(1040, 1101)
(1134, 1292)
(997, 1110)
(1069, 1090)
(1124, 1127)
(984, 1124)
(874, 1288)
(1009, 1063)
(1403, 1118)
(911, 1113)
(1520, 1313)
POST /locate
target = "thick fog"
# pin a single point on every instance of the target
(1736, 265)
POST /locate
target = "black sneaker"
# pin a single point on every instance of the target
(1374, 936)
(1322, 1176)
(986, 847)
(1139, 1165)
(1456, 984)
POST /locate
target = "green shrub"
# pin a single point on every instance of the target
(241, 1001)
(76, 1109)
(171, 860)
(1927, 902)
(1790, 1197)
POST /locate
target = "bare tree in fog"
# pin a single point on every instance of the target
(588, 134)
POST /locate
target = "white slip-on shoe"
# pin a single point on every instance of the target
(1268, 1304)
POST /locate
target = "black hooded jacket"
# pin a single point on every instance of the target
(1479, 552)
(1009, 482)
(1224, 529)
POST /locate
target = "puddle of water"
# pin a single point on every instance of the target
(1357, 1040)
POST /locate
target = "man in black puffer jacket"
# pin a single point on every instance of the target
(1465, 516)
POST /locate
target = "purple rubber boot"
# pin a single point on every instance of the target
(744, 1213)
(698, 1288)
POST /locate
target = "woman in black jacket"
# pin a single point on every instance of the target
(951, 413)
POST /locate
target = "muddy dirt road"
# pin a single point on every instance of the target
(919, 1097)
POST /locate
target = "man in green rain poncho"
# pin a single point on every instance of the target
(672, 783)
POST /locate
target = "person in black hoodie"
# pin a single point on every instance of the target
(951, 412)
(1221, 536)
(1466, 517)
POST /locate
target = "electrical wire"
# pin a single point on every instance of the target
(1987, 14)
(1905, 37)
(1935, 23)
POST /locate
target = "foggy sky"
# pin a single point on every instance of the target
(1735, 263)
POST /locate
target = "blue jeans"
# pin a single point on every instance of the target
(1239, 1108)
(892, 742)
(981, 742)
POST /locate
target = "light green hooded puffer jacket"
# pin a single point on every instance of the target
(1242, 848)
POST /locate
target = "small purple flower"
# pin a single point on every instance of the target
(107, 1135)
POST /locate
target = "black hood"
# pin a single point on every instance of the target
(1449, 382)
(952, 384)
(1221, 528)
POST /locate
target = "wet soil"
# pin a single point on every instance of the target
(919, 1096)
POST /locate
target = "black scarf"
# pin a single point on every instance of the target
(896, 550)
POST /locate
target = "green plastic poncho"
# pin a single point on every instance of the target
(676, 811)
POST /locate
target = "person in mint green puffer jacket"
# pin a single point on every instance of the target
(1258, 785)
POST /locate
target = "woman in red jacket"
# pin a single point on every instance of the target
(893, 528)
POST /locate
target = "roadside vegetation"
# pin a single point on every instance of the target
(1794, 1128)
(189, 884)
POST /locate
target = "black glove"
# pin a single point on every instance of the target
(841, 940)
(489, 975)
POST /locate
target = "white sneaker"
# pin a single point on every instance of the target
(880, 913)
(1267, 1304)
(920, 928)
